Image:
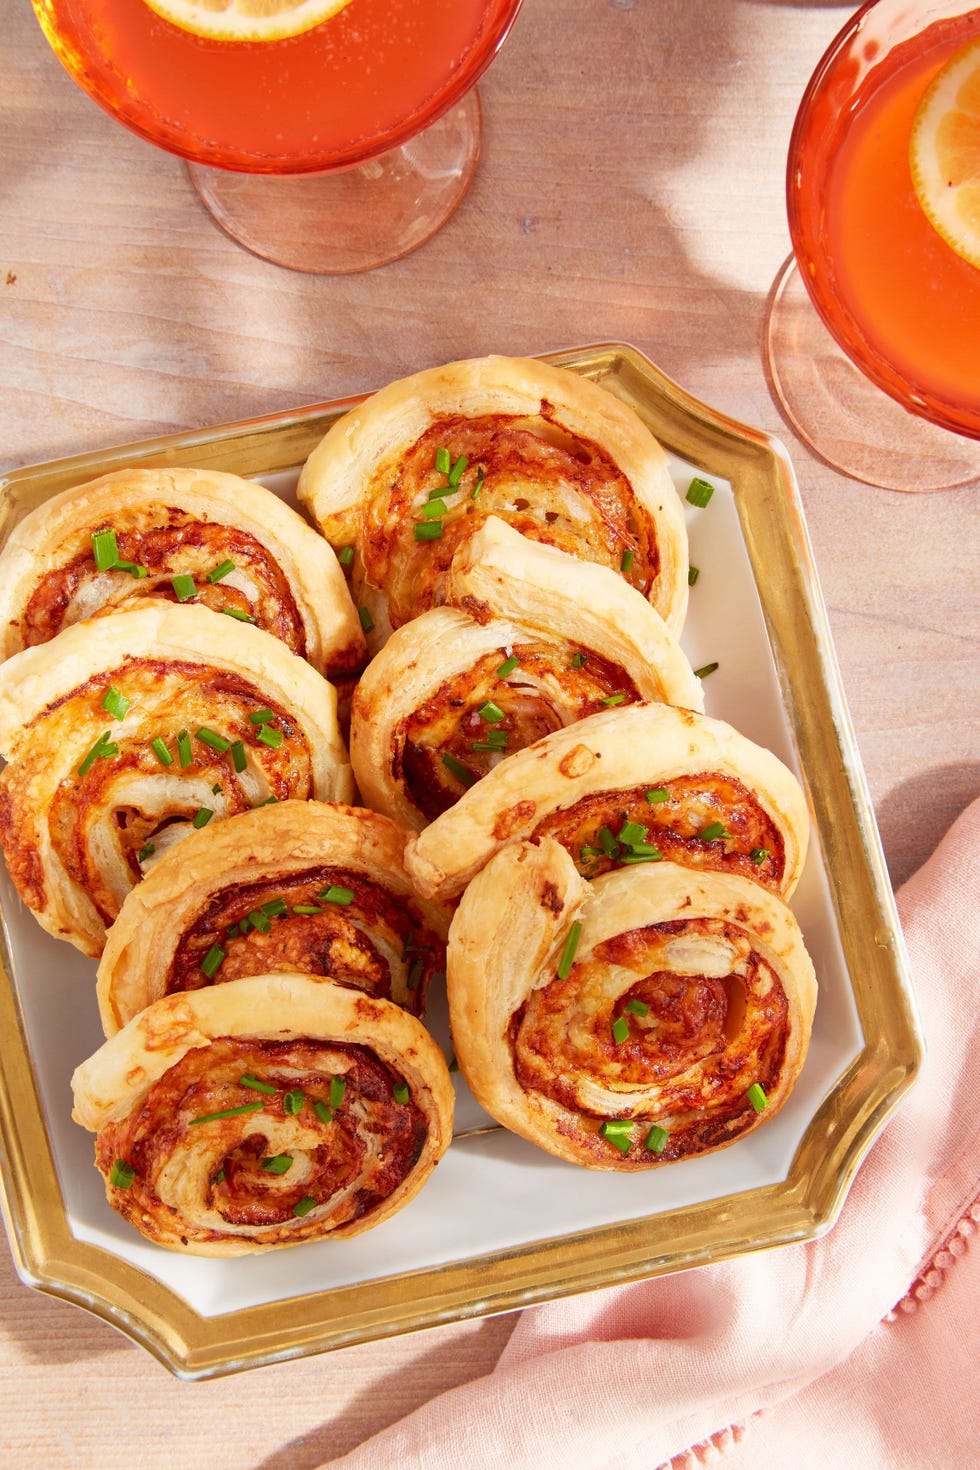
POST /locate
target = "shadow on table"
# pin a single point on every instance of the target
(925, 807)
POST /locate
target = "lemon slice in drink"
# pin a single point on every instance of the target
(945, 152)
(247, 20)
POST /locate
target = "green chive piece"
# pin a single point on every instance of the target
(620, 1030)
(637, 1006)
(145, 852)
(497, 745)
(211, 962)
(115, 704)
(434, 510)
(270, 736)
(233, 931)
(253, 1082)
(568, 953)
(617, 1132)
(237, 614)
(105, 550)
(443, 461)
(759, 854)
(293, 1102)
(202, 817)
(159, 748)
(278, 1164)
(692, 575)
(102, 748)
(244, 925)
(238, 757)
(121, 1175)
(268, 802)
(456, 473)
(578, 659)
(367, 622)
(306, 908)
(345, 555)
(630, 833)
(415, 973)
(703, 673)
(213, 739)
(480, 477)
(275, 907)
(428, 530)
(400, 1092)
(250, 1107)
(508, 666)
(219, 1178)
(608, 842)
(656, 1140)
(490, 712)
(336, 894)
(713, 832)
(613, 699)
(258, 920)
(184, 586)
(453, 1064)
(439, 494)
(304, 1206)
(653, 856)
(322, 1111)
(626, 565)
(216, 789)
(458, 770)
(699, 492)
(338, 1086)
(221, 571)
(757, 1097)
(660, 793)
(184, 754)
(134, 568)
(262, 717)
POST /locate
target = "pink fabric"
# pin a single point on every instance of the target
(857, 1349)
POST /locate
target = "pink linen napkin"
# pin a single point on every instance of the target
(861, 1347)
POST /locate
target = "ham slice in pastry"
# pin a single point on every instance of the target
(270, 1111)
(654, 1014)
(126, 733)
(238, 547)
(628, 787)
(407, 477)
(297, 886)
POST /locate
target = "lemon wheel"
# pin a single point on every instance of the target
(247, 20)
(945, 152)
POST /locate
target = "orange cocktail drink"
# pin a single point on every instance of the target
(900, 301)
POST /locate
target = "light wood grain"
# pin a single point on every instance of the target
(631, 189)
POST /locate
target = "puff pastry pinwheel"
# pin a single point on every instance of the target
(624, 788)
(177, 534)
(270, 1111)
(301, 886)
(407, 476)
(656, 1014)
(456, 690)
(126, 733)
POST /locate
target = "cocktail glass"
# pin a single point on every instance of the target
(333, 151)
(873, 297)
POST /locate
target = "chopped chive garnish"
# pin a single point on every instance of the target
(490, 712)
(703, 672)
(637, 1006)
(275, 907)
(608, 842)
(293, 1102)
(456, 473)
(134, 568)
(253, 1082)
(653, 856)
(217, 573)
(219, 1178)
(712, 832)
(508, 666)
(268, 802)
(278, 1164)
(459, 771)
(244, 925)
(145, 852)
(428, 530)
(480, 477)
(578, 659)
(202, 817)
(270, 736)
(233, 931)
(345, 555)
(184, 586)
(692, 575)
(304, 1206)
(121, 1175)
(213, 739)
(618, 1133)
(250, 1107)
(620, 1030)
(439, 494)
(453, 1064)
(757, 1096)
(630, 833)
(306, 908)
(261, 717)
(216, 788)
(626, 565)
(237, 614)
(211, 962)
(115, 704)
(322, 1111)
(498, 745)
(102, 748)
(400, 1092)
(238, 757)
(646, 849)
(415, 973)
(443, 461)
(105, 550)
(656, 1140)
(338, 1087)
(258, 920)
(613, 699)
(184, 749)
(699, 492)
(568, 953)
(159, 748)
(367, 622)
(660, 793)
(336, 894)
(759, 854)
(434, 510)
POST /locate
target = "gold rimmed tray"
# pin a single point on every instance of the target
(502, 1225)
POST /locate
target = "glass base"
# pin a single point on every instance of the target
(846, 419)
(356, 218)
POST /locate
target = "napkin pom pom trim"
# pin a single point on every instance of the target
(933, 1274)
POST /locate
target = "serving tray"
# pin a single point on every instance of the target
(502, 1225)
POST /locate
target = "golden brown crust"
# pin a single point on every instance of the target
(683, 991)
(375, 934)
(343, 1163)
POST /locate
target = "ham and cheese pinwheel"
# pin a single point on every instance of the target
(407, 477)
(304, 886)
(270, 1111)
(177, 535)
(654, 1014)
(126, 733)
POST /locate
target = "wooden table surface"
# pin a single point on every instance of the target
(631, 189)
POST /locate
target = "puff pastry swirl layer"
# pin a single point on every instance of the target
(270, 1111)
(653, 1015)
(298, 886)
(273, 569)
(125, 733)
(560, 459)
